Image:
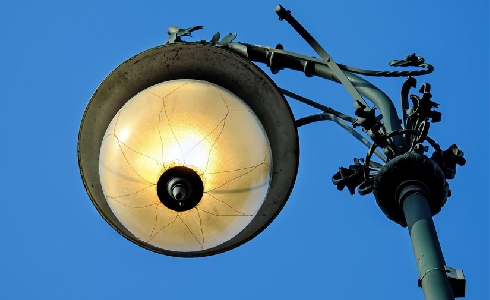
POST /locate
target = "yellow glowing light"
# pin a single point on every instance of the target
(123, 135)
(192, 151)
(194, 124)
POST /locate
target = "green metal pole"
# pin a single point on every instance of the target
(426, 247)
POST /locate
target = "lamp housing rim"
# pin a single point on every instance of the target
(200, 62)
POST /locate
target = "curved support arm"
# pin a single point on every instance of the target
(314, 104)
(330, 117)
(278, 59)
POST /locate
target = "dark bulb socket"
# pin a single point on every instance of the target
(180, 188)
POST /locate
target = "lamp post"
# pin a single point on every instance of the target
(189, 149)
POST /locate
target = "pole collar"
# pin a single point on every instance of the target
(394, 181)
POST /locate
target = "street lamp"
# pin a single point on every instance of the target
(189, 149)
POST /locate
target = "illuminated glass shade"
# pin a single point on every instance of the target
(120, 170)
(197, 125)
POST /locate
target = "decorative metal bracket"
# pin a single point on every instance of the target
(394, 135)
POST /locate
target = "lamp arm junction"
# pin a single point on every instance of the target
(278, 59)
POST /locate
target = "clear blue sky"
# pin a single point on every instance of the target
(325, 244)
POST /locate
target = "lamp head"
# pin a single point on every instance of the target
(188, 150)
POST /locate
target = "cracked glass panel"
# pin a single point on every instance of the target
(194, 124)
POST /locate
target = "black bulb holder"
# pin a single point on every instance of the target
(180, 188)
